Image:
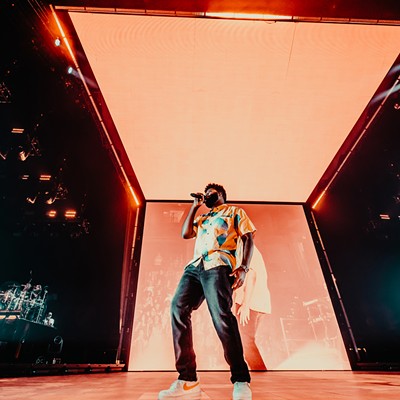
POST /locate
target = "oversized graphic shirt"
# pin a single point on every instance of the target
(217, 234)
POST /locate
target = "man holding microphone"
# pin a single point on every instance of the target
(211, 275)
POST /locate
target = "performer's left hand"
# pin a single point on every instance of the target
(240, 276)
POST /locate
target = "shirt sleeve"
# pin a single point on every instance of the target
(243, 223)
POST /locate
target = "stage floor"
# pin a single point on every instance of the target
(304, 385)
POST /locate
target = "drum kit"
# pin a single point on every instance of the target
(27, 301)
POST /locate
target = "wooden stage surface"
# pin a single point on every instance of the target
(294, 385)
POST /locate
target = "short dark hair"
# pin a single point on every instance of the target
(218, 188)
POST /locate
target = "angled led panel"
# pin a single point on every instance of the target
(257, 106)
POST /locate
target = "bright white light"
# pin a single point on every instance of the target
(268, 17)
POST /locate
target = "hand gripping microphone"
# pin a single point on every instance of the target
(197, 195)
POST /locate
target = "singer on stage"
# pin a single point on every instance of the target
(211, 275)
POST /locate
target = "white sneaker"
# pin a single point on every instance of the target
(241, 391)
(181, 390)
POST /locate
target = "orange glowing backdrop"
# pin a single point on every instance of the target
(292, 324)
(261, 107)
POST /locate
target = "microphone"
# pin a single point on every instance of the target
(197, 195)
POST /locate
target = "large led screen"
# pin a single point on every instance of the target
(281, 97)
(291, 324)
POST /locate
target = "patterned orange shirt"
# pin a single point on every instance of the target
(217, 234)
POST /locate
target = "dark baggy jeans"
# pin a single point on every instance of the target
(213, 285)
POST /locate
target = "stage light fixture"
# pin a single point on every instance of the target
(17, 130)
(70, 214)
(23, 155)
(57, 42)
(70, 70)
(24, 177)
(58, 193)
(51, 200)
(44, 177)
(51, 213)
(384, 216)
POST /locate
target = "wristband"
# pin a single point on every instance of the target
(245, 268)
